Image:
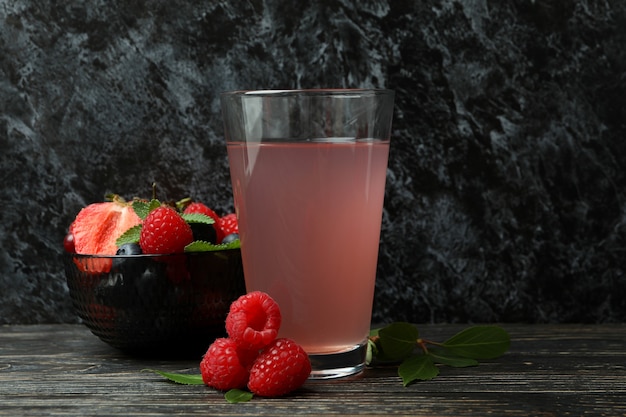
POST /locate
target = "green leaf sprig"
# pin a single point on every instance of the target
(400, 343)
(418, 358)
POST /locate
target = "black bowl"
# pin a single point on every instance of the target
(156, 305)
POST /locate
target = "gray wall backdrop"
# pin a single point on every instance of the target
(506, 196)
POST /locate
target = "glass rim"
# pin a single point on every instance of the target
(330, 92)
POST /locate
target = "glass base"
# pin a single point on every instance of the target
(343, 364)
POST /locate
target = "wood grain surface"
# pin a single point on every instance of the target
(550, 370)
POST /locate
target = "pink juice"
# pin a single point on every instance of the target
(309, 219)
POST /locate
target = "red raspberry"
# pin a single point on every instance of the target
(253, 320)
(197, 207)
(226, 365)
(280, 368)
(164, 231)
(228, 225)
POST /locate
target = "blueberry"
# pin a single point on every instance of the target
(204, 232)
(129, 249)
(230, 238)
(126, 269)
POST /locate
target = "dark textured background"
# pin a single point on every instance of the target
(506, 197)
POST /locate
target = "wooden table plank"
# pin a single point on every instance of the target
(550, 370)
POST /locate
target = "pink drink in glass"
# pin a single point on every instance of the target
(310, 216)
(308, 174)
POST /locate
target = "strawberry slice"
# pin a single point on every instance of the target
(97, 226)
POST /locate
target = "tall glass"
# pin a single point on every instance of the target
(308, 172)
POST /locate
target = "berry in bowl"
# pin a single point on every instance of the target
(153, 279)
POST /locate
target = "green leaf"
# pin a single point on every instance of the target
(479, 342)
(197, 218)
(185, 379)
(142, 208)
(444, 357)
(417, 367)
(181, 204)
(154, 203)
(129, 236)
(238, 396)
(397, 340)
(372, 350)
(202, 246)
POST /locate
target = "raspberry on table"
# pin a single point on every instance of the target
(226, 365)
(253, 320)
(280, 368)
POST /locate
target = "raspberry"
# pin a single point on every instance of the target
(226, 365)
(280, 368)
(164, 231)
(228, 225)
(197, 207)
(253, 320)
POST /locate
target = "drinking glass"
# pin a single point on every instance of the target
(308, 171)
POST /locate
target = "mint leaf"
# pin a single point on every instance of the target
(129, 236)
(197, 218)
(142, 208)
(202, 246)
(154, 203)
(238, 396)
(397, 340)
(444, 357)
(417, 367)
(185, 379)
(479, 342)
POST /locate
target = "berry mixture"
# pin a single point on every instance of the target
(252, 356)
(154, 227)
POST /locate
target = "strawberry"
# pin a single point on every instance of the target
(228, 225)
(97, 226)
(164, 231)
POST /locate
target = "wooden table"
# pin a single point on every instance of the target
(550, 370)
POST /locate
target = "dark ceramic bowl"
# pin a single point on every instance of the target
(156, 305)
